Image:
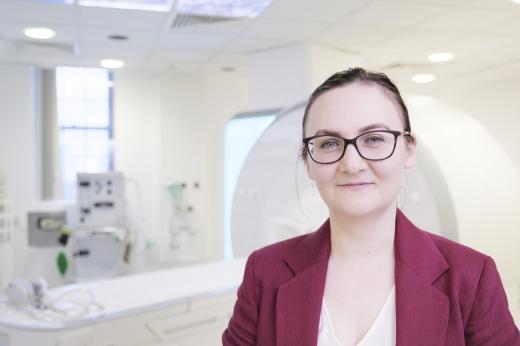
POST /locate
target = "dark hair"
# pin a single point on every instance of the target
(357, 75)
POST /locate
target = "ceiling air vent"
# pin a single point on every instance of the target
(36, 47)
(185, 20)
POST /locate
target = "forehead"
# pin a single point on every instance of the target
(349, 108)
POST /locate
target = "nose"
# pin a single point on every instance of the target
(352, 162)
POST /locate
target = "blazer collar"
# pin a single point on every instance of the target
(422, 310)
(298, 301)
(417, 250)
(312, 249)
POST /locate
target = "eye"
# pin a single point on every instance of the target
(329, 144)
(373, 139)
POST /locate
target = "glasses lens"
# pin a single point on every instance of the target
(376, 145)
(326, 149)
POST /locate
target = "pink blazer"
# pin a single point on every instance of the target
(446, 293)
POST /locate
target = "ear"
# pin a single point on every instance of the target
(410, 154)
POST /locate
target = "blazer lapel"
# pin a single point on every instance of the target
(422, 310)
(298, 302)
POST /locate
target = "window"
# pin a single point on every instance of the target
(85, 121)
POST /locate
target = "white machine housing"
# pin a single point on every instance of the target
(101, 199)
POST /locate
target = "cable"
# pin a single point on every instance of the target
(138, 229)
(68, 306)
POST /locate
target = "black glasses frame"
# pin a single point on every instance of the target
(353, 141)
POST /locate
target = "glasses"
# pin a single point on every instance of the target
(373, 145)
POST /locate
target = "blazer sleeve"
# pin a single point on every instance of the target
(490, 323)
(242, 326)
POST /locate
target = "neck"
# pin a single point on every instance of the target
(366, 237)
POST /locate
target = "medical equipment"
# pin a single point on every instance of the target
(24, 292)
(182, 223)
(106, 236)
(46, 227)
(274, 204)
(98, 252)
(182, 306)
(101, 199)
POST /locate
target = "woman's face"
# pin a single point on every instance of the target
(349, 111)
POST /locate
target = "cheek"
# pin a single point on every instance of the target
(321, 173)
(389, 175)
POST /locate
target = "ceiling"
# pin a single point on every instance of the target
(390, 35)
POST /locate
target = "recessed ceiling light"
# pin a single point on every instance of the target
(118, 37)
(516, 1)
(39, 33)
(112, 63)
(222, 8)
(423, 78)
(441, 56)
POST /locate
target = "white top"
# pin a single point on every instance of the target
(380, 333)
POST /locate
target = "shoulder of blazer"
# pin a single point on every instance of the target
(285, 258)
(431, 255)
(463, 260)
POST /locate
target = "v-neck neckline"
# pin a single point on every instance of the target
(389, 299)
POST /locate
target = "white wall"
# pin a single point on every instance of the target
(137, 145)
(284, 76)
(169, 128)
(17, 134)
(18, 158)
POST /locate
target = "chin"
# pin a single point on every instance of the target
(358, 209)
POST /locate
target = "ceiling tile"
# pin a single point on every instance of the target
(250, 45)
(465, 20)
(385, 57)
(28, 11)
(175, 56)
(508, 28)
(278, 29)
(397, 14)
(413, 45)
(43, 60)
(475, 45)
(440, 2)
(227, 59)
(189, 41)
(312, 10)
(112, 51)
(422, 38)
(100, 35)
(6, 56)
(3, 44)
(121, 19)
(354, 37)
(229, 28)
(496, 5)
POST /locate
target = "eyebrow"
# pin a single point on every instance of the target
(361, 130)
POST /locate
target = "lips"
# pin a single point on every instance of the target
(355, 184)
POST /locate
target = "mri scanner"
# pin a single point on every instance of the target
(463, 187)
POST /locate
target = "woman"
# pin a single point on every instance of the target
(368, 276)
